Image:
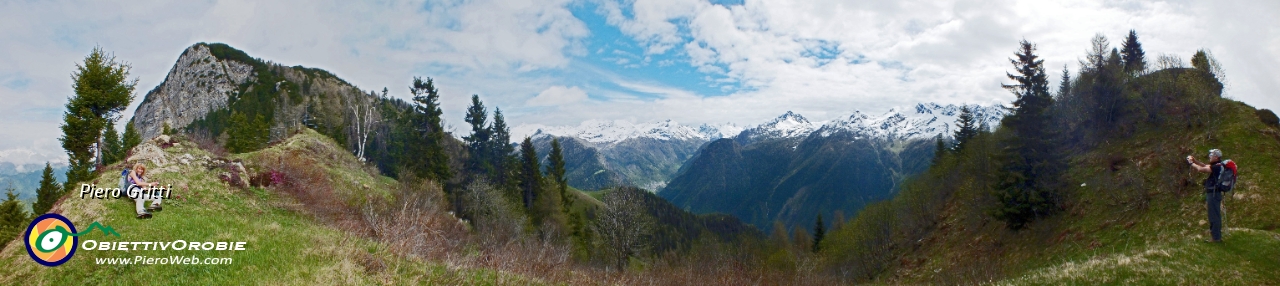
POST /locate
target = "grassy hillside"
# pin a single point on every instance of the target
(1131, 211)
(288, 242)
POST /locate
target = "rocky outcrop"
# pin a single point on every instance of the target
(196, 85)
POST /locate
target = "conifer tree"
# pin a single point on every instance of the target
(1065, 87)
(102, 90)
(1200, 61)
(48, 193)
(1029, 167)
(1108, 91)
(530, 175)
(501, 149)
(555, 169)
(130, 139)
(818, 233)
(1097, 54)
(13, 217)
(1134, 57)
(478, 143)
(422, 144)
(940, 150)
(247, 134)
(112, 149)
(966, 128)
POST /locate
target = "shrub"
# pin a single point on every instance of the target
(494, 218)
(416, 223)
(1268, 117)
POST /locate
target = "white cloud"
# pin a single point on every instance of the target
(557, 95)
(471, 47)
(873, 55)
(821, 58)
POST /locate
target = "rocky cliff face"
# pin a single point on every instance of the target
(197, 84)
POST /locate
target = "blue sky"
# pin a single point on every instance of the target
(560, 62)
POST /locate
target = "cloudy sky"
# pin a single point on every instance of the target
(559, 62)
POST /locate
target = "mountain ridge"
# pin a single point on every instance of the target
(790, 169)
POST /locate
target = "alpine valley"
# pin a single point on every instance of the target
(788, 169)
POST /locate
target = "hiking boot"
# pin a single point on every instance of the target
(155, 207)
(144, 215)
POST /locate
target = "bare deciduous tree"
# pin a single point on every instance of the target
(623, 224)
(363, 119)
(1168, 61)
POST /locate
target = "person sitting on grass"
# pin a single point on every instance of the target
(137, 181)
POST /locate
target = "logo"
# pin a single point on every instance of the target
(51, 239)
(47, 238)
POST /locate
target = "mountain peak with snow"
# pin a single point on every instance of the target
(788, 125)
(925, 120)
(612, 131)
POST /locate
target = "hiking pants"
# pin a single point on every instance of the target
(1214, 200)
(139, 198)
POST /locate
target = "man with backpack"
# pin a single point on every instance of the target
(1222, 178)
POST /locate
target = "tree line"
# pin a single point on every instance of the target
(1014, 174)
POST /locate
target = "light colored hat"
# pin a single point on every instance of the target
(1215, 153)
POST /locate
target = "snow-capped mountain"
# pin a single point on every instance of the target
(789, 125)
(614, 131)
(717, 131)
(925, 120)
(601, 153)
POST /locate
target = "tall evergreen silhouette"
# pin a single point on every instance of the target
(500, 149)
(966, 128)
(1029, 166)
(530, 175)
(422, 145)
(478, 143)
(1134, 57)
(48, 193)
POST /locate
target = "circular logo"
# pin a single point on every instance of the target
(50, 241)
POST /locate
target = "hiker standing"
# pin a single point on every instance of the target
(1213, 193)
(137, 181)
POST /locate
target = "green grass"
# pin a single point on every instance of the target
(1247, 258)
(1142, 222)
(1113, 223)
(283, 246)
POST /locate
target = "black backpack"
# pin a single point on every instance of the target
(1227, 178)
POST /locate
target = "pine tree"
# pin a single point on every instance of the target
(556, 170)
(818, 233)
(1134, 61)
(1065, 86)
(1108, 92)
(1204, 62)
(1097, 54)
(1200, 61)
(966, 128)
(48, 193)
(1029, 167)
(478, 143)
(130, 139)
(530, 175)
(246, 134)
(940, 150)
(423, 135)
(501, 149)
(113, 151)
(102, 90)
(13, 217)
